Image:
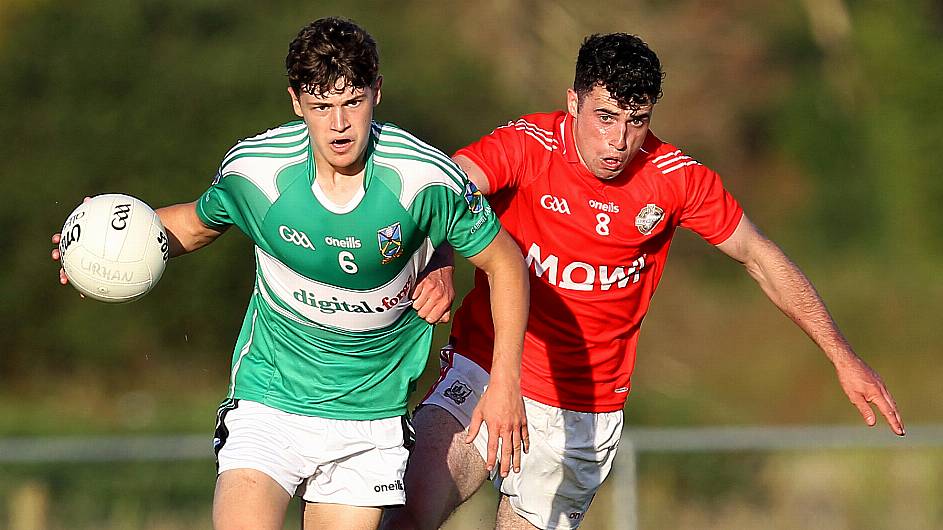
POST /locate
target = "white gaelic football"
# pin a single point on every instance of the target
(113, 248)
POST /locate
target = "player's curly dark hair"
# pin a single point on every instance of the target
(621, 63)
(329, 51)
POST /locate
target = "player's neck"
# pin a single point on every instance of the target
(339, 185)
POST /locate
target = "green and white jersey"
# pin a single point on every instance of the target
(330, 330)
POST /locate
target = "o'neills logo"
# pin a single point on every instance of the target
(604, 206)
(392, 486)
(347, 242)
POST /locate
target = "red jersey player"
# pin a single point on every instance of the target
(593, 199)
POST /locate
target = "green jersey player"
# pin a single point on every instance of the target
(345, 214)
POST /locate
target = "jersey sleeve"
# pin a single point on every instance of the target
(458, 213)
(500, 155)
(709, 209)
(215, 205)
(233, 199)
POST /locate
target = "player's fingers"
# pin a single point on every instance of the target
(444, 319)
(507, 450)
(419, 294)
(890, 399)
(890, 414)
(492, 450)
(864, 409)
(56, 238)
(516, 444)
(436, 312)
(473, 427)
(55, 254)
(525, 437)
(63, 279)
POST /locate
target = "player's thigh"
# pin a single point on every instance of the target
(508, 519)
(323, 516)
(571, 454)
(247, 499)
(443, 472)
(442, 457)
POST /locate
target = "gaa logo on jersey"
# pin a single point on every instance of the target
(390, 239)
(648, 217)
(474, 198)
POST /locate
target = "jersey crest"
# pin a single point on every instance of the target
(473, 198)
(390, 240)
(458, 392)
(648, 217)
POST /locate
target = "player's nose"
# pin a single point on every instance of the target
(338, 119)
(618, 139)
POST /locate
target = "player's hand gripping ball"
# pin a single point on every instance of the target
(113, 248)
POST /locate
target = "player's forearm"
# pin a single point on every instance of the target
(184, 229)
(509, 306)
(507, 278)
(792, 292)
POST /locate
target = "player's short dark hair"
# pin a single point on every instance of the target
(622, 64)
(329, 51)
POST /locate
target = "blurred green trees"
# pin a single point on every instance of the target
(822, 117)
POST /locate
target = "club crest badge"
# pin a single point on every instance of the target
(473, 197)
(458, 392)
(648, 217)
(390, 239)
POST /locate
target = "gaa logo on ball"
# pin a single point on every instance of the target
(113, 248)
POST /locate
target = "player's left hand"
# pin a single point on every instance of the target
(864, 388)
(501, 408)
(434, 294)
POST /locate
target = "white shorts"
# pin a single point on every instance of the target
(352, 462)
(571, 453)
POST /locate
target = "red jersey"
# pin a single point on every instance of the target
(595, 250)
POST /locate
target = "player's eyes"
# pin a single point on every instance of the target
(606, 118)
(637, 122)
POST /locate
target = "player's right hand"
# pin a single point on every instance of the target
(864, 388)
(501, 409)
(56, 256)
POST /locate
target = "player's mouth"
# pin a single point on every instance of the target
(341, 145)
(612, 163)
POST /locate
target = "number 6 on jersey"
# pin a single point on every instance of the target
(346, 260)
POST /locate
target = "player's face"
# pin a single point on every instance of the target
(339, 124)
(607, 135)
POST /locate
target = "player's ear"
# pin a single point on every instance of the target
(572, 102)
(295, 104)
(376, 90)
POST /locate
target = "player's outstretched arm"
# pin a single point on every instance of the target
(501, 407)
(792, 292)
(185, 229)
